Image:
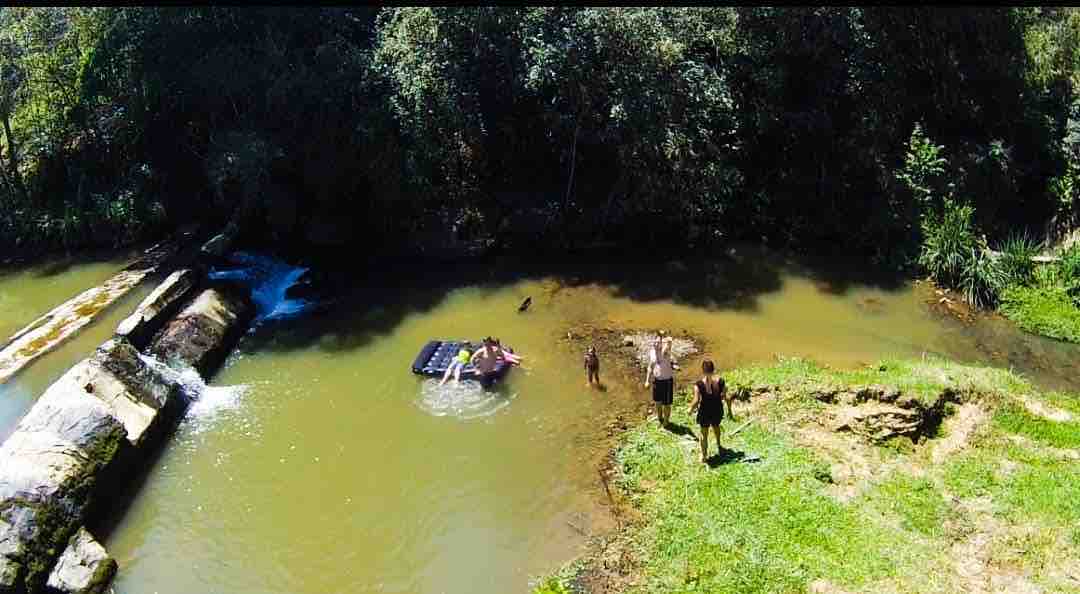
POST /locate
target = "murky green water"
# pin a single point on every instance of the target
(331, 471)
(28, 293)
(318, 463)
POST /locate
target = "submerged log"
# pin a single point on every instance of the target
(53, 328)
(83, 435)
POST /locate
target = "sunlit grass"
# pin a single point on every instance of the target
(772, 526)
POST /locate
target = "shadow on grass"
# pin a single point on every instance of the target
(681, 430)
(726, 456)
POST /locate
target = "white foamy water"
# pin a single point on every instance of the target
(465, 400)
(206, 401)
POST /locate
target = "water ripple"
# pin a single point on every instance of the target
(465, 400)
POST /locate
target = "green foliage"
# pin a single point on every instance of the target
(550, 586)
(1016, 259)
(1068, 272)
(949, 243)
(924, 169)
(644, 125)
(982, 279)
(1047, 310)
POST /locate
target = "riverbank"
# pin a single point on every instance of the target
(903, 476)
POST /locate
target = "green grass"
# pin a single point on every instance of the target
(923, 379)
(772, 526)
(550, 585)
(919, 504)
(973, 474)
(1014, 418)
(750, 527)
(1044, 310)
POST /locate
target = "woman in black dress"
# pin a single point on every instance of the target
(709, 395)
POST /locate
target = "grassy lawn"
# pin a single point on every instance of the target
(1044, 310)
(761, 518)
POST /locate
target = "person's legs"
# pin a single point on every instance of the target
(669, 397)
(704, 442)
(716, 432)
(658, 400)
(446, 375)
(457, 374)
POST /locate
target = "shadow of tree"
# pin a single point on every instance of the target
(360, 307)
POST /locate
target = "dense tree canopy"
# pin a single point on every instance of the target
(543, 126)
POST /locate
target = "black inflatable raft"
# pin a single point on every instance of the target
(437, 355)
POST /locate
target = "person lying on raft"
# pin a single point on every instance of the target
(509, 356)
(455, 367)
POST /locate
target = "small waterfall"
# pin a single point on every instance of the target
(206, 401)
(269, 280)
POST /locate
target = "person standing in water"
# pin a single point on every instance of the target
(663, 379)
(710, 392)
(486, 359)
(592, 367)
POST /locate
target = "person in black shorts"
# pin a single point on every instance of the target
(486, 360)
(710, 392)
(662, 374)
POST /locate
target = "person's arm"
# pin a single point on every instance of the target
(648, 374)
(475, 355)
(726, 395)
(696, 401)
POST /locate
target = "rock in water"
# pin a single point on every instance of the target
(83, 568)
(203, 333)
(157, 307)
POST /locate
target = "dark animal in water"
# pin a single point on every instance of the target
(525, 304)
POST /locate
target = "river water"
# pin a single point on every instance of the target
(317, 463)
(30, 292)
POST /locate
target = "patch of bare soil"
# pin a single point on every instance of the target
(1059, 453)
(946, 303)
(974, 557)
(970, 557)
(826, 587)
(1046, 411)
(958, 431)
(854, 464)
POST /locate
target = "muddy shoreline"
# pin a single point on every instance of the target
(608, 566)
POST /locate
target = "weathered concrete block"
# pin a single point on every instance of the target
(159, 305)
(48, 468)
(83, 568)
(202, 334)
